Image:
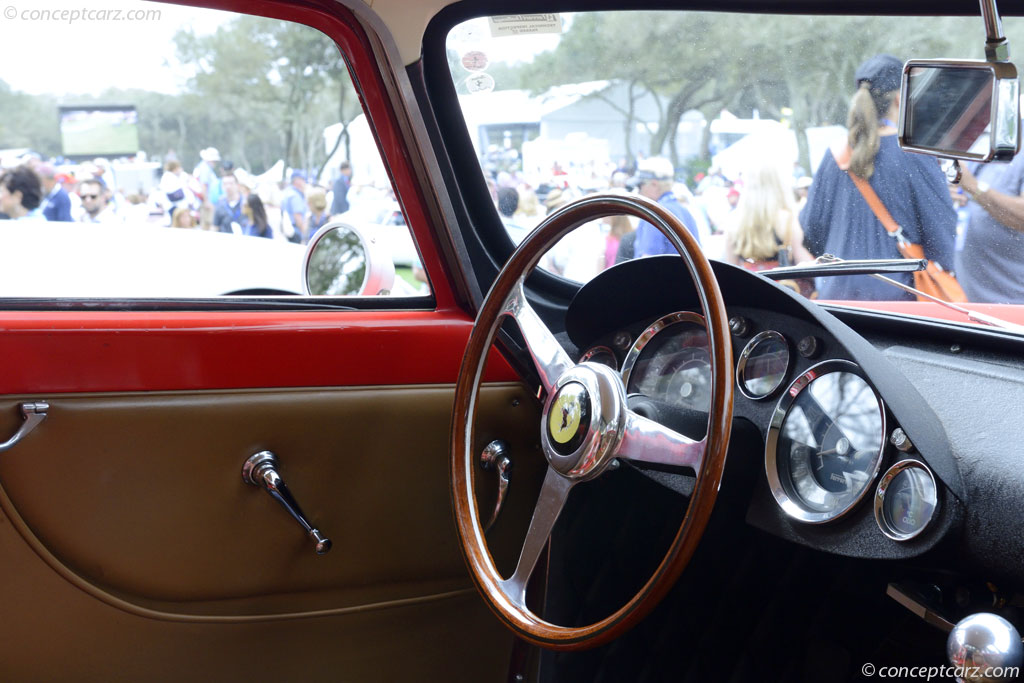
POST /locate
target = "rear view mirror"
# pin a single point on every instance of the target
(960, 109)
(340, 261)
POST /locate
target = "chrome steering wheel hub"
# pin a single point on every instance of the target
(583, 421)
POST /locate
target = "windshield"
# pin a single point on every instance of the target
(752, 143)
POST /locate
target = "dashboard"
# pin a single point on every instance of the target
(852, 460)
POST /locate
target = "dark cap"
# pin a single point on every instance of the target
(884, 73)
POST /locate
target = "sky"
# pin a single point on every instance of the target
(67, 47)
(85, 46)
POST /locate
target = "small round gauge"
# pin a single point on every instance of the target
(763, 365)
(602, 355)
(905, 500)
(670, 362)
(825, 442)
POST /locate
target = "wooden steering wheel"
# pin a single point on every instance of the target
(585, 426)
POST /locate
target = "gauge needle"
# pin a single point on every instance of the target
(818, 415)
(842, 448)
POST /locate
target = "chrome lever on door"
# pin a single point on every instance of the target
(493, 458)
(32, 414)
(261, 470)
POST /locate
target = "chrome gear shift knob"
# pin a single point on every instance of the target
(983, 646)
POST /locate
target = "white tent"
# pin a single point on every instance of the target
(367, 166)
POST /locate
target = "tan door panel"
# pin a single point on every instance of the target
(142, 495)
(133, 550)
(51, 631)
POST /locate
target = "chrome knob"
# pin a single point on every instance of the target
(739, 325)
(261, 470)
(900, 440)
(985, 647)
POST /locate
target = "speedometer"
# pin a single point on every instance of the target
(670, 362)
(825, 442)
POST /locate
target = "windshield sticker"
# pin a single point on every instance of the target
(474, 60)
(479, 83)
(521, 24)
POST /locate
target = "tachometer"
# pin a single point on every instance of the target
(825, 442)
(670, 362)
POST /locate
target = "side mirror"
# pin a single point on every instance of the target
(960, 109)
(340, 261)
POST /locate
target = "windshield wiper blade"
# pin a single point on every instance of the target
(973, 316)
(827, 264)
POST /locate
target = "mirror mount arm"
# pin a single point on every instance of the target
(997, 48)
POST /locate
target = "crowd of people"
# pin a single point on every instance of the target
(215, 196)
(772, 216)
(868, 199)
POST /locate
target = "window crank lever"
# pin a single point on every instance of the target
(494, 458)
(261, 470)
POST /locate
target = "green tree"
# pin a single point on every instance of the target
(785, 67)
(683, 57)
(257, 75)
(28, 121)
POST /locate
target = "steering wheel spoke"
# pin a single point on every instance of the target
(553, 494)
(549, 358)
(645, 440)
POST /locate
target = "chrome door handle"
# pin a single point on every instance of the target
(32, 414)
(261, 470)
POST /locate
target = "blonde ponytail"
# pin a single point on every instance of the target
(867, 107)
(862, 122)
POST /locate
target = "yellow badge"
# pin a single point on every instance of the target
(564, 419)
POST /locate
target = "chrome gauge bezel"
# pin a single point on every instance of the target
(790, 504)
(883, 485)
(745, 355)
(594, 350)
(647, 335)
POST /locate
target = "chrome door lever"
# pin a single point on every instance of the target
(261, 470)
(32, 414)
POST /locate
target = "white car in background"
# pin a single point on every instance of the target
(79, 260)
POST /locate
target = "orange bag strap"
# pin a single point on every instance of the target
(841, 153)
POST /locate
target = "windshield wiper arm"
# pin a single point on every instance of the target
(827, 264)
